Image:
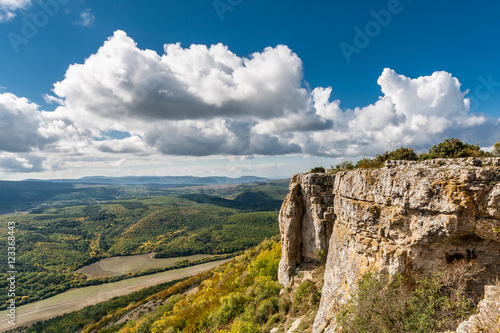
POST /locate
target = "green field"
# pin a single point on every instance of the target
(117, 266)
(77, 299)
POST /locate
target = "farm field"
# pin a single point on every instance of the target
(77, 299)
(117, 266)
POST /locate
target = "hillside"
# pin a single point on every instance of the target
(405, 248)
(53, 242)
(21, 196)
(240, 296)
(167, 181)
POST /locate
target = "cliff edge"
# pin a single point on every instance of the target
(408, 217)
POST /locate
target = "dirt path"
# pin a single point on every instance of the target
(77, 299)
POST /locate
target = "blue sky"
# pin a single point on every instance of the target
(291, 85)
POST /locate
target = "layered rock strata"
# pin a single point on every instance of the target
(408, 217)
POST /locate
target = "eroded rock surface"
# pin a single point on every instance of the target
(306, 222)
(487, 318)
(407, 217)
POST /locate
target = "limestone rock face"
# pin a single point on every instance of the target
(407, 217)
(487, 318)
(306, 221)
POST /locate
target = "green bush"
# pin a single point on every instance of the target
(406, 154)
(267, 309)
(244, 327)
(345, 165)
(385, 303)
(322, 255)
(307, 296)
(366, 163)
(231, 306)
(449, 148)
(496, 149)
(452, 148)
(317, 170)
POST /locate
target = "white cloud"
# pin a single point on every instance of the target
(133, 144)
(51, 99)
(9, 7)
(87, 19)
(193, 83)
(207, 100)
(436, 95)
(194, 101)
(21, 163)
(215, 137)
(412, 112)
(202, 101)
(20, 125)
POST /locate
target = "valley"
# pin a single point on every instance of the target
(58, 246)
(77, 299)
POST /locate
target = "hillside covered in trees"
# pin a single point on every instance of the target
(53, 242)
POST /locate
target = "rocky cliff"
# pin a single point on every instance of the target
(408, 217)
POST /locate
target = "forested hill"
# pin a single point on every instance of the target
(165, 180)
(52, 242)
(19, 196)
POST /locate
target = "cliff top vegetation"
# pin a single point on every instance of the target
(449, 148)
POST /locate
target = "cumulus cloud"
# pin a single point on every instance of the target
(51, 99)
(133, 144)
(412, 112)
(189, 101)
(205, 100)
(21, 124)
(20, 163)
(216, 137)
(9, 7)
(198, 82)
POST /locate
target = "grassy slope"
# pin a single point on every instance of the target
(77, 299)
(240, 296)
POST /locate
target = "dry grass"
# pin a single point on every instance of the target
(116, 266)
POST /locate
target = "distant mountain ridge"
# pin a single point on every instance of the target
(25, 195)
(158, 180)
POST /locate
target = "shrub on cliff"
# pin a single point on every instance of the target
(385, 303)
(317, 170)
(449, 148)
(345, 165)
(402, 153)
(452, 148)
(496, 149)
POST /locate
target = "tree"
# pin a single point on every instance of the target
(317, 170)
(496, 149)
(452, 148)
